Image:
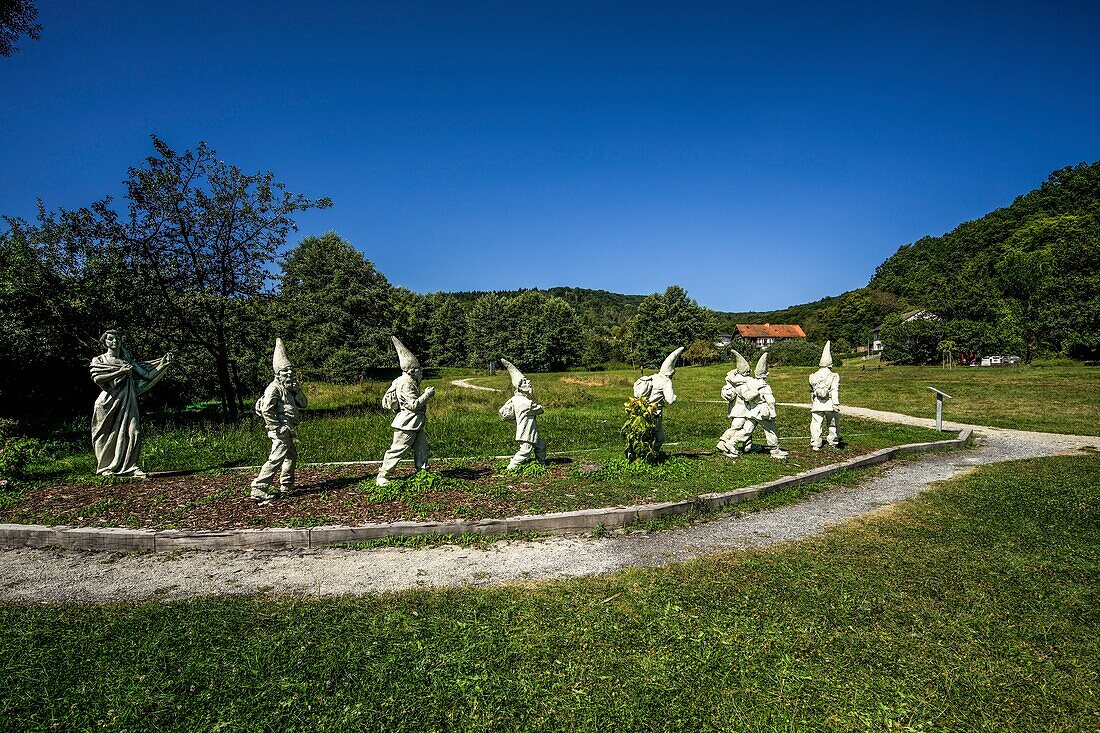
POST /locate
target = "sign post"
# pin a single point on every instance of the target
(939, 407)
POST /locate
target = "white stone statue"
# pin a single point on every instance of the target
(279, 409)
(525, 412)
(825, 401)
(116, 424)
(404, 398)
(734, 397)
(657, 390)
(760, 409)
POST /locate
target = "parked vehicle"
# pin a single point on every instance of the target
(999, 361)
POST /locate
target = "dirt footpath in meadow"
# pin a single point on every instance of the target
(34, 576)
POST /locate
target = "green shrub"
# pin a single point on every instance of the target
(402, 489)
(676, 467)
(640, 430)
(747, 349)
(531, 469)
(9, 427)
(15, 455)
(700, 353)
(794, 353)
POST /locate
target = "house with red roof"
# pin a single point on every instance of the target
(766, 334)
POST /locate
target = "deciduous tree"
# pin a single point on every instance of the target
(335, 309)
(198, 236)
(17, 18)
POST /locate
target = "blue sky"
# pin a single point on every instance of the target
(759, 154)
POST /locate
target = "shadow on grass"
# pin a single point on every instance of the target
(333, 484)
(464, 473)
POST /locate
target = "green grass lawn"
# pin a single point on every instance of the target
(1048, 399)
(1060, 399)
(975, 607)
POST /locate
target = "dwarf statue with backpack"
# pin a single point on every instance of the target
(825, 401)
(525, 412)
(409, 424)
(278, 408)
(760, 409)
(733, 392)
(657, 390)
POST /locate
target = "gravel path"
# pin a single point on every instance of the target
(470, 385)
(32, 576)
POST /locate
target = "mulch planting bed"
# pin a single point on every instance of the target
(324, 495)
(346, 495)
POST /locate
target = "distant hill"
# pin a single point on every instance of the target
(606, 308)
(797, 314)
(1024, 278)
(956, 269)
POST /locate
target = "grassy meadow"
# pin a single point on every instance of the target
(1057, 398)
(1054, 399)
(974, 607)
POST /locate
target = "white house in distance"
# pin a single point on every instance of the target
(766, 334)
(906, 317)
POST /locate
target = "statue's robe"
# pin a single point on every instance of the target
(116, 424)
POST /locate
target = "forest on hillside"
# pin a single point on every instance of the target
(1024, 279)
(193, 259)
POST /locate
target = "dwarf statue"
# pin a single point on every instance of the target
(733, 394)
(760, 408)
(525, 412)
(657, 390)
(404, 398)
(825, 401)
(278, 408)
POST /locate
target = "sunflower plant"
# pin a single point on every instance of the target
(640, 430)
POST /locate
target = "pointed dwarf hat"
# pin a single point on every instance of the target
(516, 375)
(742, 364)
(761, 366)
(826, 355)
(670, 362)
(404, 356)
(279, 360)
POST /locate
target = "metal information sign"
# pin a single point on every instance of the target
(939, 407)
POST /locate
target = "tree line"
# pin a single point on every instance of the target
(192, 259)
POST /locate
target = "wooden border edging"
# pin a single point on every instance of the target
(121, 539)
